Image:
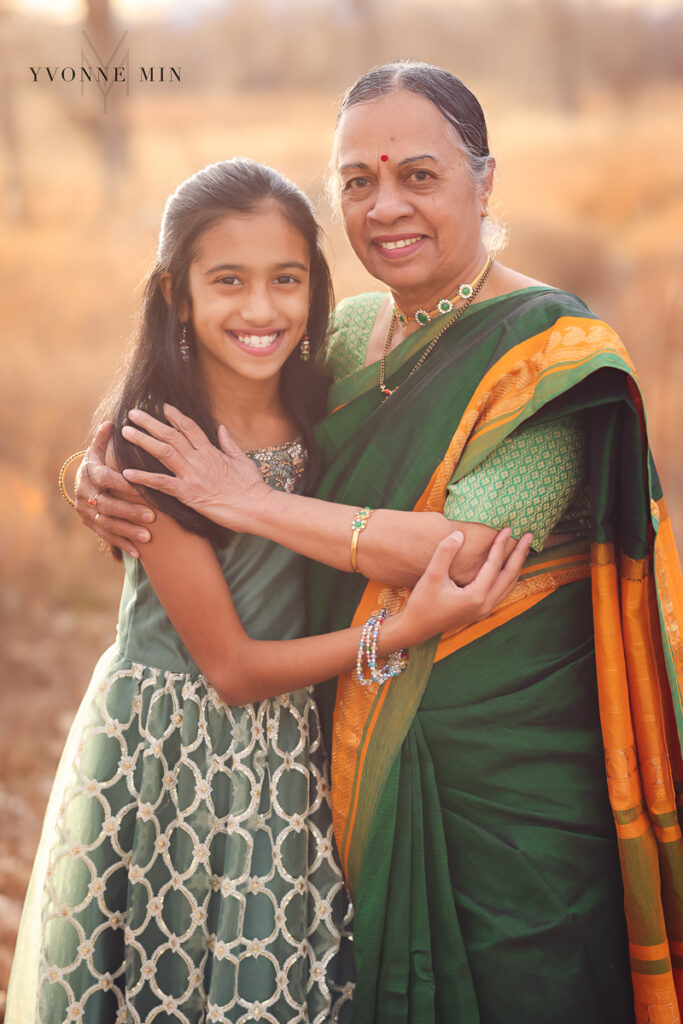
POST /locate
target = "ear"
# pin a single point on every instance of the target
(487, 187)
(166, 288)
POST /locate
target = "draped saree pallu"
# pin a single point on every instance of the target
(469, 795)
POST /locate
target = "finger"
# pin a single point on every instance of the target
(495, 559)
(226, 442)
(157, 481)
(101, 438)
(116, 508)
(187, 427)
(509, 574)
(120, 534)
(164, 451)
(162, 431)
(440, 563)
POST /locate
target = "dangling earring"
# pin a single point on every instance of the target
(305, 348)
(184, 347)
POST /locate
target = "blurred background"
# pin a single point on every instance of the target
(584, 102)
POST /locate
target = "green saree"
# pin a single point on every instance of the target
(470, 799)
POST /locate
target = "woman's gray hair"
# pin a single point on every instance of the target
(457, 104)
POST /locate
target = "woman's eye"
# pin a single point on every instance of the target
(353, 184)
(421, 176)
(286, 279)
(228, 279)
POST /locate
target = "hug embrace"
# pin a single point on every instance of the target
(437, 502)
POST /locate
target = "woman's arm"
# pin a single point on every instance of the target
(190, 584)
(226, 487)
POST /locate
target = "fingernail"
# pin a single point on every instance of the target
(457, 535)
(147, 517)
(143, 535)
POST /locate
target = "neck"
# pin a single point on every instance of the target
(251, 410)
(427, 294)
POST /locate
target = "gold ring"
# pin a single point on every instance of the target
(97, 516)
(93, 501)
(65, 466)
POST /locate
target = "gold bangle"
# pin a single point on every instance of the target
(65, 466)
(359, 523)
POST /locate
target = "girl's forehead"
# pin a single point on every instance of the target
(263, 232)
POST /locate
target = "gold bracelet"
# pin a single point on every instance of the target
(65, 466)
(359, 523)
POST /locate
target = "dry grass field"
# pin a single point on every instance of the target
(594, 203)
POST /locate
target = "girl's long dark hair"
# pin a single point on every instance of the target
(154, 371)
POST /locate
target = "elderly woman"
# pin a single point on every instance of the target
(472, 807)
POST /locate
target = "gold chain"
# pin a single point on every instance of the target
(449, 323)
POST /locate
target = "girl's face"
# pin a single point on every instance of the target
(250, 290)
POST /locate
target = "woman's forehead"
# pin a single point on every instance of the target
(399, 121)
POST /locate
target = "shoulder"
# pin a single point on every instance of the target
(350, 326)
(355, 311)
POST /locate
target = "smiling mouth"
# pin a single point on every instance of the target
(399, 243)
(257, 340)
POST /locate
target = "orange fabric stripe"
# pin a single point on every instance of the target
(361, 761)
(634, 829)
(658, 952)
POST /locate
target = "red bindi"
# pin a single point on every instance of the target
(384, 157)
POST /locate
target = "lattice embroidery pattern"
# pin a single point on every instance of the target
(183, 795)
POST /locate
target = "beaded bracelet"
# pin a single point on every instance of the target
(359, 523)
(60, 478)
(394, 664)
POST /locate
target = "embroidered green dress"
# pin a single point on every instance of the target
(187, 871)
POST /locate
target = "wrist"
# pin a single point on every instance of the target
(397, 633)
(262, 509)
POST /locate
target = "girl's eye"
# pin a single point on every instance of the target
(228, 279)
(286, 279)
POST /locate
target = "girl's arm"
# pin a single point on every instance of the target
(225, 486)
(190, 584)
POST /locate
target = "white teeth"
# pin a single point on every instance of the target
(257, 340)
(400, 244)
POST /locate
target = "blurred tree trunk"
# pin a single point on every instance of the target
(109, 124)
(14, 191)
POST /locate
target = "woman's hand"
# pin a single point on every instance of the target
(115, 519)
(437, 604)
(222, 485)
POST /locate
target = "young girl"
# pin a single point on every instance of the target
(187, 870)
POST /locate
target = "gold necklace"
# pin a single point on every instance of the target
(443, 306)
(449, 323)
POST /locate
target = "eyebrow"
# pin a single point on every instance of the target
(407, 160)
(240, 266)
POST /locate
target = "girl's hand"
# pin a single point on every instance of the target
(437, 604)
(117, 520)
(220, 484)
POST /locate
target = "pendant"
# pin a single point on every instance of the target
(387, 392)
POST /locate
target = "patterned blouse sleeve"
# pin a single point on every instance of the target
(350, 326)
(528, 482)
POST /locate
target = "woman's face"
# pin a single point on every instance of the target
(412, 213)
(249, 289)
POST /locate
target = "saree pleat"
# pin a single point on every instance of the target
(475, 828)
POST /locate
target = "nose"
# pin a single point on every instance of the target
(259, 307)
(391, 203)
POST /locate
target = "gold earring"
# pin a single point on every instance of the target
(305, 348)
